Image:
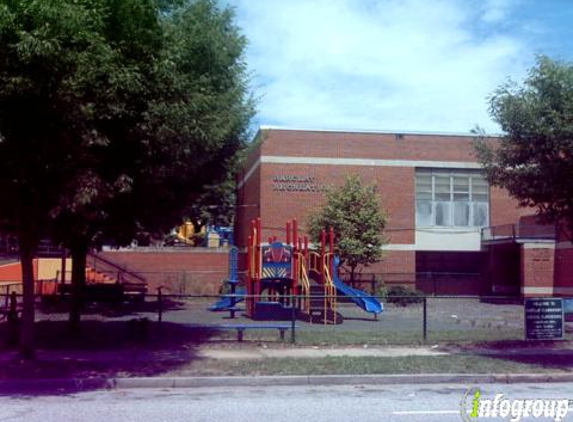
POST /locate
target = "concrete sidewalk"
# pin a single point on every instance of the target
(317, 352)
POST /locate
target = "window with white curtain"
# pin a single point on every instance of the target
(451, 198)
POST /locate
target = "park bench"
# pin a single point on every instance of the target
(241, 328)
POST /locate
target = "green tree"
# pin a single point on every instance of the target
(353, 211)
(534, 158)
(216, 206)
(44, 46)
(114, 116)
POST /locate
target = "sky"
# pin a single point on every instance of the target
(409, 65)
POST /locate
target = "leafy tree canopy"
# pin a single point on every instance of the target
(119, 112)
(115, 115)
(534, 157)
(353, 211)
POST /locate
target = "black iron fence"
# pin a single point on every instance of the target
(429, 282)
(518, 231)
(207, 318)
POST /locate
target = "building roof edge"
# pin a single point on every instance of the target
(372, 131)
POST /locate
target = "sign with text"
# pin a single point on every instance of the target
(544, 319)
(295, 183)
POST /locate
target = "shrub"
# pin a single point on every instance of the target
(381, 290)
(403, 296)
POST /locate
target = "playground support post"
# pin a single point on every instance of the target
(159, 304)
(425, 320)
(322, 256)
(293, 302)
(249, 279)
(295, 275)
(258, 258)
(294, 231)
(331, 250)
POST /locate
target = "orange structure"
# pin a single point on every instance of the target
(287, 278)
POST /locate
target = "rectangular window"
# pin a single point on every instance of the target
(461, 214)
(451, 198)
(442, 188)
(443, 214)
(424, 215)
(480, 189)
(480, 211)
(424, 186)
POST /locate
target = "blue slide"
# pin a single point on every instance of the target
(364, 300)
(226, 302)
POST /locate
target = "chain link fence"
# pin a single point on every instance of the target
(406, 320)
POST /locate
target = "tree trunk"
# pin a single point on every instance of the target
(79, 257)
(352, 271)
(27, 343)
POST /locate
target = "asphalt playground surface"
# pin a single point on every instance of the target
(443, 314)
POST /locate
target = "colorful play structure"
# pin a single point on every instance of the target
(286, 278)
(236, 294)
(214, 236)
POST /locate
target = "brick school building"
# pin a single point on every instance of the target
(449, 231)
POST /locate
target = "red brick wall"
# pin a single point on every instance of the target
(396, 184)
(564, 263)
(397, 267)
(367, 145)
(278, 206)
(248, 207)
(248, 197)
(564, 270)
(189, 271)
(537, 268)
(450, 285)
(504, 209)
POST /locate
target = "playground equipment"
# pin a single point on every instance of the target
(283, 278)
(214, 236)
(186, 232)
(219, 237)
(236, 295)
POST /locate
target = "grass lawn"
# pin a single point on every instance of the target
(367, 365)
(338, 337)
(329, 365)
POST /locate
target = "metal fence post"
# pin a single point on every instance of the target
(159, 304)
(13, 320)
(293, 319)
(425, 318)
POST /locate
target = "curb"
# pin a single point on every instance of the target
(67, 385)
(326, 380)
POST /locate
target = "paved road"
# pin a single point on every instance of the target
(404, 403)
